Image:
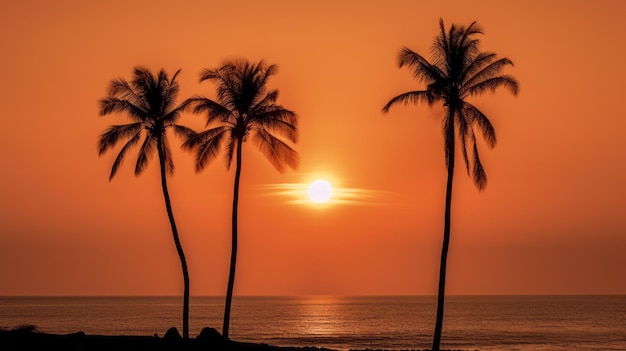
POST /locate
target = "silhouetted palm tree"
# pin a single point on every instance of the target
(244, 108)
(149, 102)
(458, 70)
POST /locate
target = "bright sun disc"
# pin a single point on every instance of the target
(320, 191)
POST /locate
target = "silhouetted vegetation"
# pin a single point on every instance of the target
(149, 102)
(244, 108)
(457, 70)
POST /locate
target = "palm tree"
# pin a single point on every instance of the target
(458, 70)
(149, 102)
(244, 108)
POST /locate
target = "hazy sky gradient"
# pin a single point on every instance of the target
(551, 220)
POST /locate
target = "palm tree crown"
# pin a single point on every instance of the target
(149, 101)
(244, 107)
(458, 70)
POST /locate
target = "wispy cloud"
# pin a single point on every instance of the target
(296, 193)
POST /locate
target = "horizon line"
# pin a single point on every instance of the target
(315, 295)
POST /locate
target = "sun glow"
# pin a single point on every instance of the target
(316, 191)
(320, 191)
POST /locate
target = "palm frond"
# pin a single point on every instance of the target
(170, 118)
(473, 28)
(477, 117)
(143, 80)
(422, 69)
(146, 150)
(228, 87)
(120, 156)
(470, 45)
(275, 150)
(479, 175)
(465, 130)
(170, 91)
(208, 74)
(113, 134)
(184, 132)
(440, 50)
(229, 149)
(279, 120)
(477, 63)
(487, 72)
(411, 97)
(264, 73)
(114, 105)
(491, 84)
(121, 89)
(206, 144)
(196, 139)
(215, 111)
(268, 100)
(187, 104)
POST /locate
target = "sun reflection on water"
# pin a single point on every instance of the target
(321, 316)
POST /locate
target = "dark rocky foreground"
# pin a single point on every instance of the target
(209, 339)
(26, 339)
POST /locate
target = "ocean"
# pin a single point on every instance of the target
(522, 323)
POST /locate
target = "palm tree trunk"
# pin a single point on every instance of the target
(450, 146)
(233, 252)
(179, 247)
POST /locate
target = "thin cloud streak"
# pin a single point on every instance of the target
(296, 193)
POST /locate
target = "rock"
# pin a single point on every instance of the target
(210, 335)
(25, 329)
(172, 334)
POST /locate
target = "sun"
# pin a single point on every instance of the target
(320, 191)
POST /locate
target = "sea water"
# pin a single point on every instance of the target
(524, 323)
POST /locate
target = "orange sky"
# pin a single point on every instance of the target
(551, 220)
